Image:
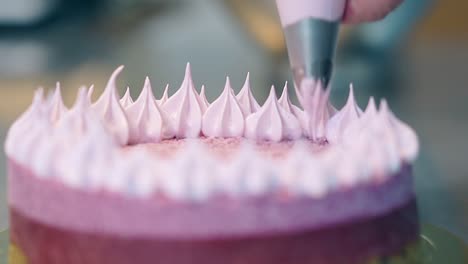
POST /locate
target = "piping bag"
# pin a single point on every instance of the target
(311, 31)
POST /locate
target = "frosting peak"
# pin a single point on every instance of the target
(90, 92)
(272, 122)
(184, 109)
(111, 112)
(203, 101)
(75, 123)
(371, 109)
(58, 108)
(147, 122)
(126, 100)
(164, 97)
(284, 99)
(288, 106)
(246, 100)
(224, 117)
(343, 119)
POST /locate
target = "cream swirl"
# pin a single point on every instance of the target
(224, 117)
(246, 100)
(338, 124)
(111, 112)
(272, 122)
(126, 100)
(184, 109)
(147, 121)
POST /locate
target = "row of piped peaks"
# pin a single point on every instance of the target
(188, 114)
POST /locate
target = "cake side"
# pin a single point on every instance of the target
(357, 242)
(55, 204)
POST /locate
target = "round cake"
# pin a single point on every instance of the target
(182, 180)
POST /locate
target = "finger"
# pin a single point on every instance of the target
(358, 11)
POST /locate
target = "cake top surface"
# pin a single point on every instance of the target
(186, 148)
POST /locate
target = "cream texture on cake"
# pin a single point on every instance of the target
(83, 147)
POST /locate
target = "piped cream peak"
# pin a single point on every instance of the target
(58, 108)
(110, 110)
(164, 97)
(246, 99)
(184, 109)
(371, 108)
(203, 101)
(344, 118)
(82, 102)
(126, 100)
(272, 122)
(90, 92)
(285, 102)
(147, 122)
(284, 99)
(224, 117)
(288, 106)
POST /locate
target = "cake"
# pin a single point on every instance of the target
(182, 180)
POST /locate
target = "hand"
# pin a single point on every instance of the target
(358, 11)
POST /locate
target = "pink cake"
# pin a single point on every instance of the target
(182, 180)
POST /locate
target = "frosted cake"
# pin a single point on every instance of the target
(182, 180)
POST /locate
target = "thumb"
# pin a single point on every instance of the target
(358, 11)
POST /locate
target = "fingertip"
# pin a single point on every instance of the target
(361, 11)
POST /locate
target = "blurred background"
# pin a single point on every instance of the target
(417, 58)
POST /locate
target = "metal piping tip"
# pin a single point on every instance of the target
(311, 48)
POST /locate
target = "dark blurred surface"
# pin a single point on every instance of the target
(420, 66)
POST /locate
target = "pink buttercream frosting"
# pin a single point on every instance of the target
(127, 99)
(164, 97)
(224, 117)
(246, 99)
(343, 119)
(184, 109)
(81, 145)
(111, 112)
(147, 121)
(203, 101)
(58, 108)
(272, 122)
(296, 111)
